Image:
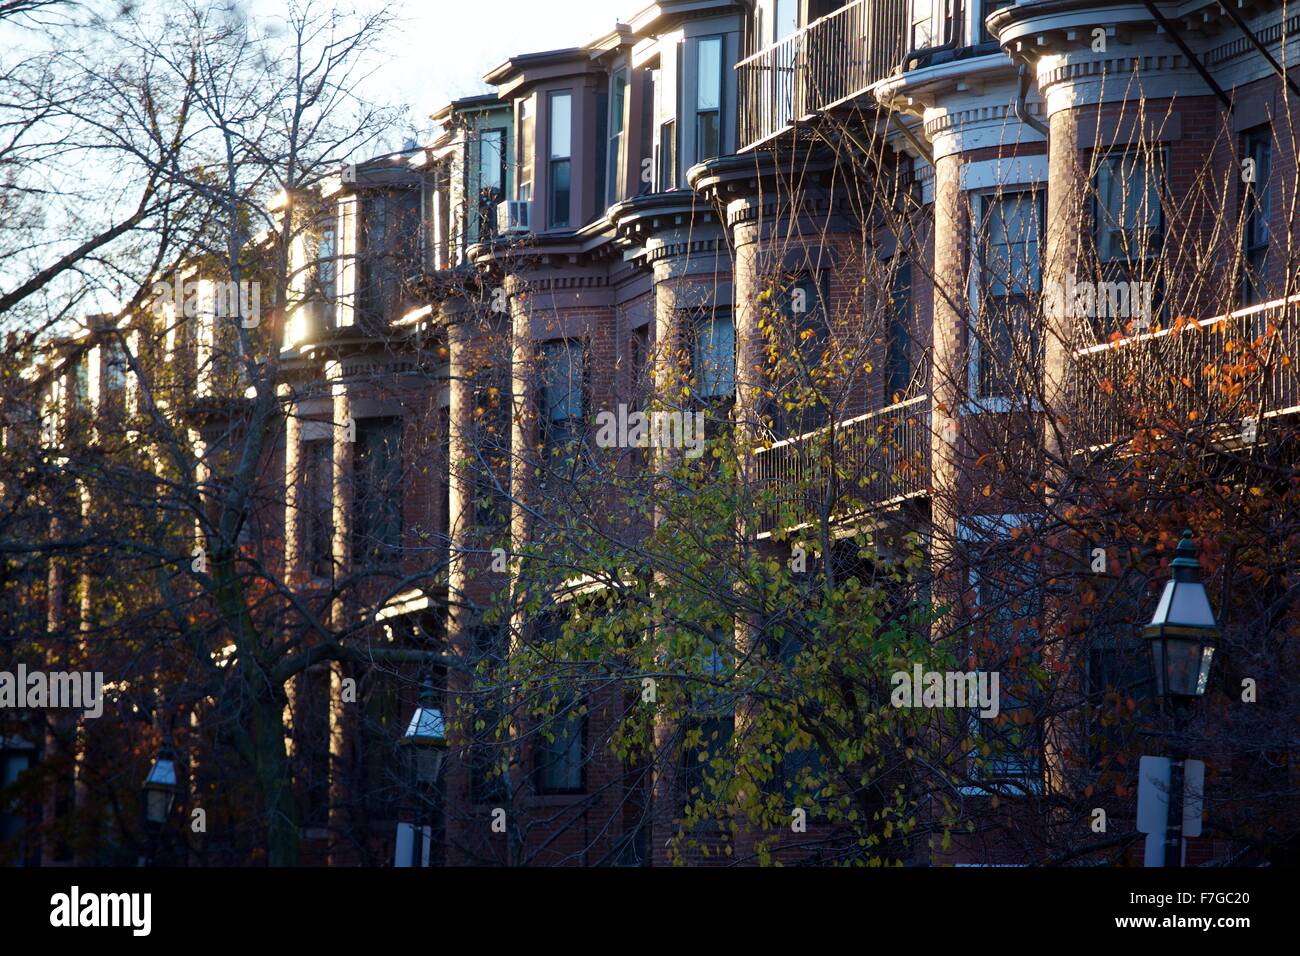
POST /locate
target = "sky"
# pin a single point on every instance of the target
(441, 48)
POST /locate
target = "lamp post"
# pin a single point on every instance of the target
(425, 744)
(1182, 637)
(161, 787)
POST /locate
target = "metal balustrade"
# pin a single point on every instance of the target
(1212, 373)
(826, 63)
(868, 461)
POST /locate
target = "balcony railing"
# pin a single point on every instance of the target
(828, 62)
(869, 461)
(1222, 374)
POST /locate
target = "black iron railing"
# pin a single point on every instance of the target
(858, 465)
(828, 62)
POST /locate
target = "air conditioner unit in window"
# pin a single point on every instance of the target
(514, 216)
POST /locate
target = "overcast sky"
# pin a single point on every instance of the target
(442, 48)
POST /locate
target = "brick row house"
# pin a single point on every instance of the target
(899, 184)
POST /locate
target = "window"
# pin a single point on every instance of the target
(708, 98)
(614, 187)
(559, 760)
(316, 516)
(646, 166)
(1257, 148)
(491, 162)
(561, 403)
(987, 7)
(489, 643)
(712, 718)
(1130, 229)
(377, 489)
(1005, 333)
(1008, 607)
(786, 20)
(15, 758)
(803, 304)
(560, 141)
(922, 31)
(668, 156)
(642, 373)
(714, 356)
(115, 367)
(490, 467)
(326, 258)
(898, 357)
(391, 230)
(1129, 220)
(527, 145)
(81, 381)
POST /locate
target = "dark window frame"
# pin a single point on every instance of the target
(900, 360)
(718, 113)
(616, 133)
(367, 549)
(559, 202)
(552, 434)
(1257, 208)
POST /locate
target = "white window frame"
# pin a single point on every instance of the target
(978, 180)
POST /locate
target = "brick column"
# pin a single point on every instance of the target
(949, 368)
(343, 716)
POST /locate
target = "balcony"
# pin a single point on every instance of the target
(826, 64)
(865, 463)
(1223, 376)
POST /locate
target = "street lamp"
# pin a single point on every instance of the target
(1182, 636)
(426, 739)
(161, 787)
(425, 743)
(1182, 633)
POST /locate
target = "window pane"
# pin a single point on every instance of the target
(715, 357)
(709, 75)
(561, 381)
(560, 760)
(1128, 197)
(786, 20)
(1012, 265)
(316, 500)
(527, 148)
(707, 136)
(325, 259)
(1258, 201)
(561, 125)
(377, 486)
(1011, 271)
(618, 102)
(560, 191)
(898, 363)
(489, 160)
(668, 156)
